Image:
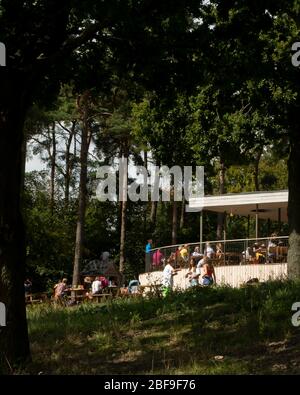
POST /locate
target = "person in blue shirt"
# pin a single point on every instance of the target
(148, 246)
(148, 254)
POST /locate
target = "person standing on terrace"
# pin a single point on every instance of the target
(148, 246)
(148, 254)
(272, 248)
(157, 258)
(209, 251)
(184, 254)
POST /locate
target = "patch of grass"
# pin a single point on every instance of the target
(201, 331)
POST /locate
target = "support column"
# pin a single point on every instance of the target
(201, 231)
(225, 235)
(279, 220)
(248, 227)
(256, 222)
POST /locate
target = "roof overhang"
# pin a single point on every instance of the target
(267, 204)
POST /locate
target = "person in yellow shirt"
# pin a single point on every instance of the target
(184, 254)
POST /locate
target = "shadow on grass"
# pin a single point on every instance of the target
(198, 332)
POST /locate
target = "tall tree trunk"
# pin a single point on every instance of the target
(123, 221)
(222, 190)
(294, 208)
(83, 104)
(23, 171)
(53, 165)
(174, 222)
(67, 182)
(14, 343)
(68, 173)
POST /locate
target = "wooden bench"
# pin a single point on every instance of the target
(102, 297)
(35, 298)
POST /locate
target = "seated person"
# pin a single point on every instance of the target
(97, 286)
(104, 282)
(196, 255)
(112, 282)
(87, 283)
(60, 289)
(192, 274)
(259, 254)
(27, 286)
(248, 255)
(209, 251)
(255, 247)
(208, 276)
(272, 248)
(133, 286)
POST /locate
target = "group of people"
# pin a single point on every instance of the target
(182, 255)
(92, 287)
(261, 253)
(200, 272)
(258, 253)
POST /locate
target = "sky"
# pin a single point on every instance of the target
(35, 163)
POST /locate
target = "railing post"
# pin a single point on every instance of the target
(224, 236)
(201, 232)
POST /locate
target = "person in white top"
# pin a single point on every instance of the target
(197, 254)
(96, 286)
(272, 248)
(167, 275)
(209, 252)
(200, 264)
(167, 280)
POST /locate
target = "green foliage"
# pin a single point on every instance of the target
(50, 240)
(182, 333)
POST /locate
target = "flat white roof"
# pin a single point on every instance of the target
(246, 204)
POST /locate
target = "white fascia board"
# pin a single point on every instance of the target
(240, 199)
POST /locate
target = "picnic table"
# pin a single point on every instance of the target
(35, 298)
(77, 293)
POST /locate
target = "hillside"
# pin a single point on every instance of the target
(201, 331)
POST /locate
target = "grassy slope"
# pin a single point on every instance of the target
(250, 328)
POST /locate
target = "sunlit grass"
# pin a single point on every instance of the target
(201, 331)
